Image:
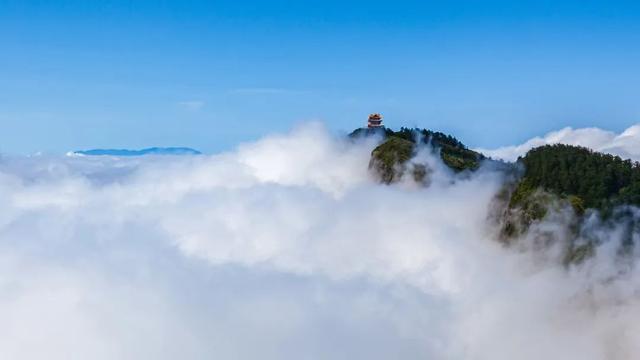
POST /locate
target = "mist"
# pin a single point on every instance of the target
(626, 144)
(290, 248)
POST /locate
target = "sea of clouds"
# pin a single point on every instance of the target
(289, 248)
(626, 144)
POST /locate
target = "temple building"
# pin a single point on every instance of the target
(375, 120)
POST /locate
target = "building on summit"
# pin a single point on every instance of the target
(375, 121)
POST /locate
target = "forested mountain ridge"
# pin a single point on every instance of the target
(398, 147)
(547, 179)
(587, 178)
(598, 180)
(589, 182)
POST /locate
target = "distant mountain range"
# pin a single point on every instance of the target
(142, 152)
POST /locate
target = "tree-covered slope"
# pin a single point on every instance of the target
(582, 177)
(556, 177)
(546, 183)
(598, 180)
(389, 158)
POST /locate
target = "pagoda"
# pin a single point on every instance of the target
(375, 121)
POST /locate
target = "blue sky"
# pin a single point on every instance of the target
(211, 74)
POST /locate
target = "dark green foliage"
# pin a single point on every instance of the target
(595, 180)
(630, 194)
(359, 132)
(578, 253)
(453, 153)
(583, 179)
(522, 192)
(389, 157)
(420, 173)
(533, 203)
(577, 204)
(526, 205)
(545, 181)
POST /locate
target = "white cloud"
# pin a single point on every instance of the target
(287, 248)
(192, 105)
(263, 91)
(625, 144)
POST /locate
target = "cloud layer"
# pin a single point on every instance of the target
(625, 144)
(288, 248)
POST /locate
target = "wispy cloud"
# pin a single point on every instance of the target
(263, 91)
(192, 105)
(625, 144)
